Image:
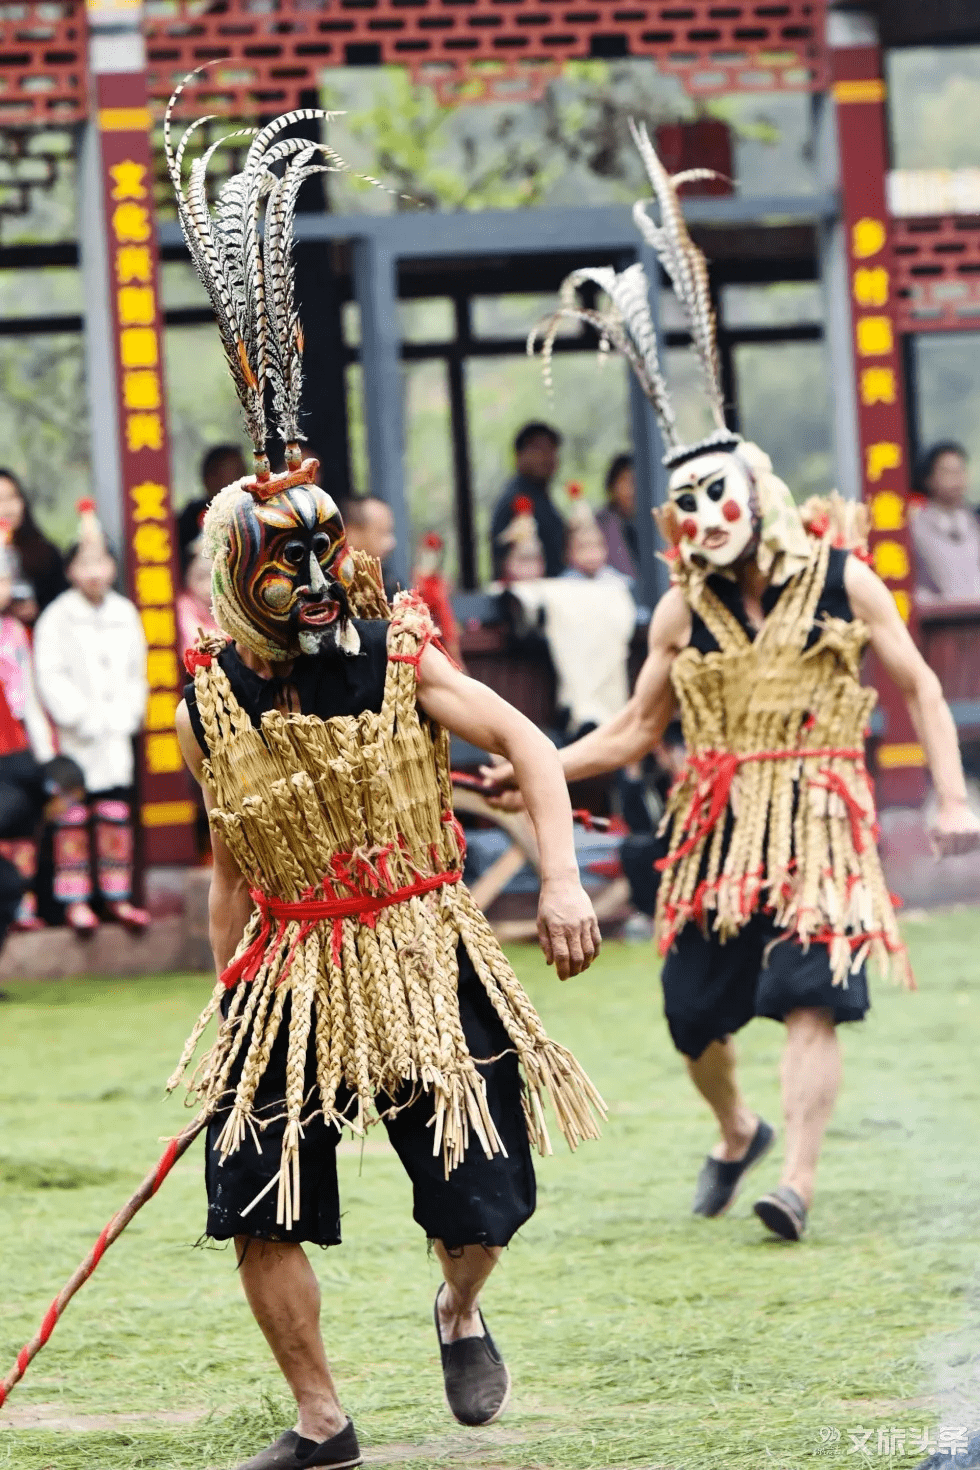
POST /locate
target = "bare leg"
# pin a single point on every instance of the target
(465, 1271)
(713, 1074)
(811, 1076)
(284, 1295)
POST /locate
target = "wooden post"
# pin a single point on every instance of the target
(859, 95)
(122, 237)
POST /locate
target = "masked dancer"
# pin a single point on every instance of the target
(357, 978)
(771, 897)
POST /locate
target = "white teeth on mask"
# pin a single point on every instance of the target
(338, 635)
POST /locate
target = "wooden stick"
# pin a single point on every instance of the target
(175, 1148)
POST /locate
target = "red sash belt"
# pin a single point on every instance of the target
(311, 911)
(715, 770)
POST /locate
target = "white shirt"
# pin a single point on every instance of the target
(90, 666)
(588, 622)
(946, 540)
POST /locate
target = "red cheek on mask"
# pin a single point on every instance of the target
(731, 510)
(689, 528)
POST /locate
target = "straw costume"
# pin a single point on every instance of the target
(346, 832)
(367, 984)
(771, 896)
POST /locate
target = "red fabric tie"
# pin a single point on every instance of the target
(856, 813)
(311, 911)
(715, 770)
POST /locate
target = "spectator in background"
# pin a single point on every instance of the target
(587, 616)
(370, 526)
(518, 552)
(617, 518)
(536, 463)
(221, 466)
(30, 793)
(38, 559)
(23, 724)
(945, 532)
(90, 658)
(26, 744)
(431, 583)
(194, 598)
(586, 545)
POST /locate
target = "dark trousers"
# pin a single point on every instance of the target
(483, 1201)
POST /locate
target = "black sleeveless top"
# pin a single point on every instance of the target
(326, 684)
(833, 603)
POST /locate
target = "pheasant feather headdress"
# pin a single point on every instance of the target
(626, 323)
(242, 250)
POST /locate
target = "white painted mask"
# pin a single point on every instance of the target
(713, 499)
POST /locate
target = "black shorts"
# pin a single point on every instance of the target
(712, 989)
(483, 1202)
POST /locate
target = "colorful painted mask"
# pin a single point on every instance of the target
(714, 500)
(290, 565)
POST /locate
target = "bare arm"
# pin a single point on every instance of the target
(957, 829)
(229, 904)
(566, 923)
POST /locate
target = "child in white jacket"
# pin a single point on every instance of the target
(90, 664)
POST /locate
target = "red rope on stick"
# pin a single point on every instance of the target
(175, 1148)
(165, 1165)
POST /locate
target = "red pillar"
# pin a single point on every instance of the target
(166, 810)
(859, 94)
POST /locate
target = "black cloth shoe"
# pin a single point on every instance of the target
(475, 1376)
(782, 1212)
(291, 1452)
(719, 1180)
(968, 1459)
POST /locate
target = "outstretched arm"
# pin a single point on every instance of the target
(229, 904)
(567, 926)
(640, 724)
(956, 829)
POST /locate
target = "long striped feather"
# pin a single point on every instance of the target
(212, 263)
(625, 324)
(279, 232)
(242, 250)
(683, 261)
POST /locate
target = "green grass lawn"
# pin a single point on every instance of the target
(636, 1335)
